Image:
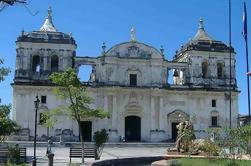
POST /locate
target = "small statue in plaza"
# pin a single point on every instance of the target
(185, 136)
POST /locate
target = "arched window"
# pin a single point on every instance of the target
(54, 63)
(204, 69)
(220, 70)
(214, 118)
(35, 62)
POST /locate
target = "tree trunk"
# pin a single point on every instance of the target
(96, 152)
(81, 140)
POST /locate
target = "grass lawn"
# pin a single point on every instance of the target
(211, 162)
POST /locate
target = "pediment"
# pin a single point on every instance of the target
(134, 50)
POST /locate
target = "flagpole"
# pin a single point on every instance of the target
(246, 42)
(245, 35)
(230, 64)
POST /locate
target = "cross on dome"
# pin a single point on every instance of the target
(49, 12)
(201, 23)
(201, 33)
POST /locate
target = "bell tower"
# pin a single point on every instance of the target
(39, 53)
(208, 61)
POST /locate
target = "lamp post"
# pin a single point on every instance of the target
(36, 103)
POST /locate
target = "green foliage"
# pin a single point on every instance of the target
(7, 126)
(13, 154)
(69, 88)
(232, 138)
(210, 147)
(3, 71)
(245, 138)
(9, 164)
(50, 117)
(211, 162)
(73, 164)
(236, 140)
(100, 137)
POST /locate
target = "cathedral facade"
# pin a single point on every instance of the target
(131, 81)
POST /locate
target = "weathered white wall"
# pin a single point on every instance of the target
(156, 104)
(152, 105)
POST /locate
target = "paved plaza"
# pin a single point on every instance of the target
(62, 154)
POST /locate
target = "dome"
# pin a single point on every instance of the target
(46, 37)
(203, 42)
(133, 49)
(47, 34)
(201, 33)
(48, 25)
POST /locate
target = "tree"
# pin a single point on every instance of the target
(3, 71)
(68, 86)
(7, 126)
(6, 3)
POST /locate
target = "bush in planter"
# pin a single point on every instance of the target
(13, 154)
(100, 137)
(210, 147)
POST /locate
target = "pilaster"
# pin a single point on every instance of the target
(114, 112)
(152, 115)
(161, 114)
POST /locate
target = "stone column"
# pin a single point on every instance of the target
(62, 63)
(25, 62)
(106, 110)
(45, 63)
(114, 112)
(18, 62)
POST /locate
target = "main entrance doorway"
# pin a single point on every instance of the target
(174, 131)
(132, 128)
(87, 130)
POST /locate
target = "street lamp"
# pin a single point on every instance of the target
(36, 103)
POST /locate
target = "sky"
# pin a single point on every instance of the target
(170, 23)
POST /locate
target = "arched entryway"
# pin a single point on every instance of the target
(132, 128)
(174, 118)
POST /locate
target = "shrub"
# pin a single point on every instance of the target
(7, 126)
(210, 147)
(100, 137)
(13, 154)
(245, 138)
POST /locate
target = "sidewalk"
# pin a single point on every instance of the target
(61, 157)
